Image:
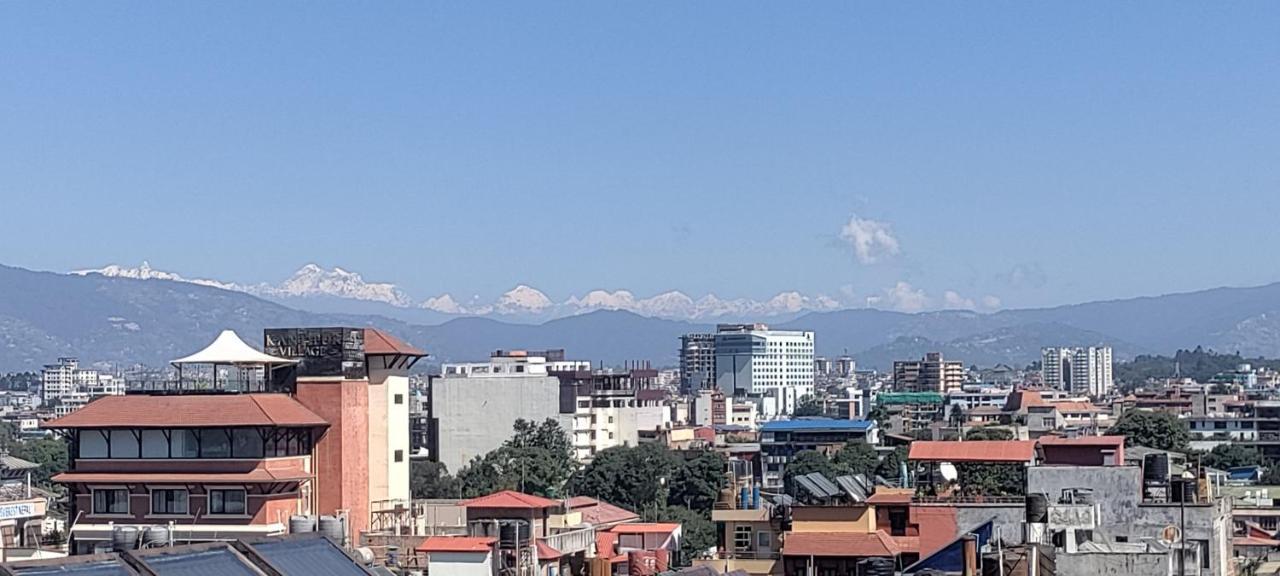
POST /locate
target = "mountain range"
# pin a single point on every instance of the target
(313, 287)
(150, 317)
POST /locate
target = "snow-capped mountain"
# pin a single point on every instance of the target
(312, 280)
(523, 301)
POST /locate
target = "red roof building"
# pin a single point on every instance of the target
(1006, 451)
(190, 411)
(457, 544)
(510, 499)
(840, 545)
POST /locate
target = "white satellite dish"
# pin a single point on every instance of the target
(948, 471)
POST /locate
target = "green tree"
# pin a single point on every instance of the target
(856, 458)
(989, 433)
(1224, 456)
(879, 415)
(806, 462)
(1158, 430)
(432, 480)
(890, 467)
(696, 482)
(635, 478)
(699, 532)
(994, 479)
(536, 460)
(809, 405)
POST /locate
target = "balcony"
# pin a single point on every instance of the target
(573, 541)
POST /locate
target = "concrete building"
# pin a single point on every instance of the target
(612, 408)
(697, 362)
(773, 366)
(780, 440)
(473, 405)
(1079, 370)
(929, 374)
(67, 381)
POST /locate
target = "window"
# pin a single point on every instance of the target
(763, 540)
(169, 501)
(742, 538)
(215, 443)
(227, 502)
(246, 443)
(1122, 539)
(1202, 548)
(399, 399)
(399, 455)
(111, 501)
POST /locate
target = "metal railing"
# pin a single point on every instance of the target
(573, 541)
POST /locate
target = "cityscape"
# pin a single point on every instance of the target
(639, 289)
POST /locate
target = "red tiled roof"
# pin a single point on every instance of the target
(510, 499)
(457, 544)
(908, 544)
(256, 476)
(379, 343)
(973, 451)
(891, 496)
(1075, 407)
(848, 544)
(599, 513)
(606, 547)
(645, 528)
(546, 552)
(191, 411)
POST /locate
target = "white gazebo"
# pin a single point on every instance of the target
(229, 350)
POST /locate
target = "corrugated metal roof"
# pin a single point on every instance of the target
(815, 424)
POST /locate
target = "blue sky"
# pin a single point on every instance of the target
(1037, 154)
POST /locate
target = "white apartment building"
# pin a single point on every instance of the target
(1078, 370)
(65, 382)
(774, 365)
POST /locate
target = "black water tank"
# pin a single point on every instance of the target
(1037, 508)
(1155, 468)
(1182, 490)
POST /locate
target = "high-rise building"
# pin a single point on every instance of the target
(929, 374)
(697, 362)
(67, 383)
(773, 365)
(1078, 370)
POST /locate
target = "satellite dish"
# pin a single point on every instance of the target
(1170, 535)
(948, 471)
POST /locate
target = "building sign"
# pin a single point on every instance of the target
(320, 351)
(19, 510)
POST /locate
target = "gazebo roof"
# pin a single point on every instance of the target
(228, 348)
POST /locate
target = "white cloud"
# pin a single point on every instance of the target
(991, 302)
(871, 240)
(953, 300)
(904, 297)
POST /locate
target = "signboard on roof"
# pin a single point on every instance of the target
(11, 510)
(320, 351)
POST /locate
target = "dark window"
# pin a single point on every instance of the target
(1220, 425)
(215, 443)
(227, 502)
(399, 455)
(399, 399)
(111, 501)
(246, 443)
(1202, 546)
(168, 501)
(1122, 539)
(898, 521)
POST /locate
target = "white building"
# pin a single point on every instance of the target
(1079, 370)
(66, 383)
(775, 366)
(474, 405)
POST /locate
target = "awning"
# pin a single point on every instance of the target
(228, 348)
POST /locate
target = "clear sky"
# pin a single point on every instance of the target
(1036, 153)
